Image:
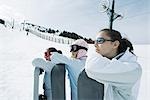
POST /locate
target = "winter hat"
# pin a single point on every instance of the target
(80, 42)
(81, 52)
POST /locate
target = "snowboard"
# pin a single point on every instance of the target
(89, 89)
(36, 84)
(58, 82)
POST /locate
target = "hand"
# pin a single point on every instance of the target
(47, 55)
(41, 70)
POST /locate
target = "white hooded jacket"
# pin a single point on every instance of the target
(120, 77)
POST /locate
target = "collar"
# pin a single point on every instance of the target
(119, 55)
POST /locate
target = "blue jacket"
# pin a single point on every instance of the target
(74, 67)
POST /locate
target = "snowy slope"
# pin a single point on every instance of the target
(17, 50)
(16, 72)
(143, 53)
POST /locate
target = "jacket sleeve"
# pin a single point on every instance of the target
(41, 63)
(111, 71)
(75, 65)
(60, 58)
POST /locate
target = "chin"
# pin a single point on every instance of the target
(47, 59)
(97, 50)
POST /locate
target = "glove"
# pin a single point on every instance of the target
(41, 71)
(42, 97)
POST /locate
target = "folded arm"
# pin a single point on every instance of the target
(111, 71)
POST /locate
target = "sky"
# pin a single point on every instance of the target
(83, 16)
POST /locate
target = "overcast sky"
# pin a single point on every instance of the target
(82, 16)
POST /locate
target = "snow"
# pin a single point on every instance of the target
(17, 50)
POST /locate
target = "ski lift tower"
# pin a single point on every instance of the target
(104, 7)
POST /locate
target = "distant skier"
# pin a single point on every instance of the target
(73, 64)
(27, 30)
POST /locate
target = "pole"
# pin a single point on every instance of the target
(112, 15)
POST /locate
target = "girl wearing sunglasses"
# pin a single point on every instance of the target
(73, 64)
(113, 64)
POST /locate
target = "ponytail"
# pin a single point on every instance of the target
(124, 44)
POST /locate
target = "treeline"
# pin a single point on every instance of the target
(75, 36)
(70, 35)
(41, 28)
(2, 22)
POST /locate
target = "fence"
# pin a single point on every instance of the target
(34, 30)
(52, 37)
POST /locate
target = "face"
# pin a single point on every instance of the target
(47, 55)
(74, 50)
(105, 46)
(74, 54)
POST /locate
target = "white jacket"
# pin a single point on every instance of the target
(120, 77)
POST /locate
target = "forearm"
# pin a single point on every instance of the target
(41, 63)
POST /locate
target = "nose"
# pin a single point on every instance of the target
(95, 44)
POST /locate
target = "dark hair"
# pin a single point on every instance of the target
(52, 49)
(59, 51)
(124, 43)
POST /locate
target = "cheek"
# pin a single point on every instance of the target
(100, 48)
(73, 53)
(103, 49)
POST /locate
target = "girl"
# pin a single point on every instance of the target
(115, 65)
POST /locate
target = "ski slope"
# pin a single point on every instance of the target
(17, 50)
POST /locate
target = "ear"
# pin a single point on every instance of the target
(116, 44)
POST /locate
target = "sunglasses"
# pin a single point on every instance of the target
(75, 48)
(101, 40)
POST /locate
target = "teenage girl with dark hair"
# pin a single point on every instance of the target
(113, 64)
